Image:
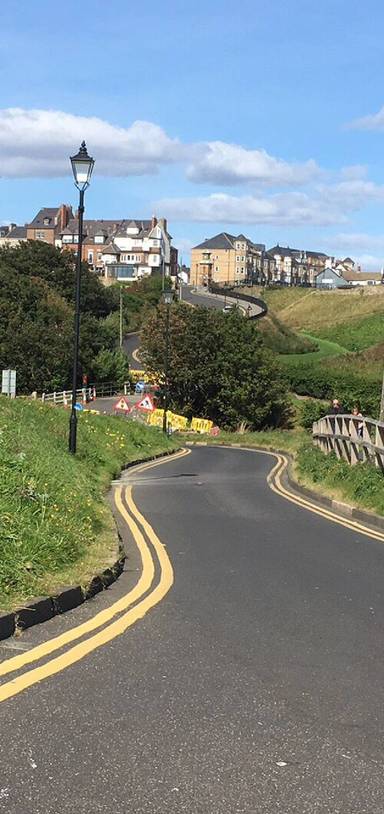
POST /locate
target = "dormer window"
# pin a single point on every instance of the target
(99, 238)
(46, 221)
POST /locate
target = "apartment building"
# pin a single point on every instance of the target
(297, 266)
(227, 258)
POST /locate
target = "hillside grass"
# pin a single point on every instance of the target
(281, 339)
(328, 309)
(56, 528)
(325, 349)
(357, 334)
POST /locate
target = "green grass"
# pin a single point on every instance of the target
(362, 485)
(56, 528)
(357, 334)
(326, 348)
(281, 339)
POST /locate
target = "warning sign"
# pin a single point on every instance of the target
(146, 404)
(123, 405)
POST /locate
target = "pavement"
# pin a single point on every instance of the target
(253, 684)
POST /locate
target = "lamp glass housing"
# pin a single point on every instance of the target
(82, 166)
(167, 297)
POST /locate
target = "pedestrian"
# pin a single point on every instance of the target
(336, 407)
(334, 411)
(360, 424)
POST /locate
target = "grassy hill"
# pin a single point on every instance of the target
(348, 329)
(282, 339)
(56, 529)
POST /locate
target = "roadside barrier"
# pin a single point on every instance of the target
(351, 438)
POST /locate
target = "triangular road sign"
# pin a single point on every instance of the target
(122, 404)
(146, 404)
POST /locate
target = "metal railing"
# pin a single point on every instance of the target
(351, 438)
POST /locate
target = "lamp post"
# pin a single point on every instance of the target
(167, 300)
(82, 166)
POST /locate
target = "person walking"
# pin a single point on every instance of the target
(360, 424)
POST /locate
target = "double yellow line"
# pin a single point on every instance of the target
(133, 606)
(275, 483)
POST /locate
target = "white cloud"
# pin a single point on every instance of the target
(39, 142)
(227, 164)
(292, 208)
(375, 121)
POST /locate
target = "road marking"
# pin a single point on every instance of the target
(79, 651)
(135, 354)
(353, 525)
(104, 616)
(274, 481)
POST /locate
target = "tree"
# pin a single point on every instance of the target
(218, 367)
(111, 366)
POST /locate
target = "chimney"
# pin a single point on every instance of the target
(163, 223)
(153, 221)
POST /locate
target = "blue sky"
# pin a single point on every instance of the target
(261, 117)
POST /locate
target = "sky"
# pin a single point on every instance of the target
(262, 116)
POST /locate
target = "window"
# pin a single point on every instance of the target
(242, 259)
(217, 268)
(40, 235)
(90, 257)
(46, 221)
(238, 259)
(99, 255)
(99, 238)
(67, 238)
(242, 269)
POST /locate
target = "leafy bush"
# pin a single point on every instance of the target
(311, 411)
(321, 383)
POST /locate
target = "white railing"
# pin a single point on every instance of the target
(351, 438)
(85, 394)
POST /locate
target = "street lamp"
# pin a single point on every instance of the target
(82, 166)
(167, 300)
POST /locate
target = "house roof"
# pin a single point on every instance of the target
(111, 248)
(348, 260)
(47, 212)
(353, 276)
(287, 251)
(18, 232)
(221, 241)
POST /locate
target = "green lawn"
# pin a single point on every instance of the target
(326, 348)
(56, 528)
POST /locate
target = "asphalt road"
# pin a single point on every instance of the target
(256, 685)
(131, 344)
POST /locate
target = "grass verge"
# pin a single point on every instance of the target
(56, 528)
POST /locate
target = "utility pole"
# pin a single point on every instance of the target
(121, 317)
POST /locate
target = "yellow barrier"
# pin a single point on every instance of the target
(177, 422)
(201, 424)
(141, 375)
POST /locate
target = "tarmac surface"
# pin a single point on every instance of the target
(256, 685)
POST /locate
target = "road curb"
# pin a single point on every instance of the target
(44, 608)
(337, 506)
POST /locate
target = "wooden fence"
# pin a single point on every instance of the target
(351, 438)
